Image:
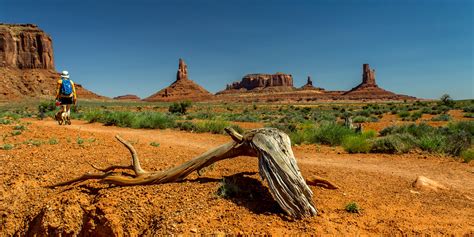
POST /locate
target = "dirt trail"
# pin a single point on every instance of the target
(379, 183)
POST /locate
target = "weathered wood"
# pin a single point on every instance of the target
(277, 165)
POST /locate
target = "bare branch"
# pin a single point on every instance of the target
(135, 162)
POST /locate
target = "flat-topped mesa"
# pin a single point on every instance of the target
(182, 73)
(262, 81)
(25, 46)
(127, 97)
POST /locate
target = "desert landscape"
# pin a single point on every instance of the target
(303, 160)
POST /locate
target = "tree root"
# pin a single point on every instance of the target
(276, 164)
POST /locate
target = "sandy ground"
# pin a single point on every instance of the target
(380, 184)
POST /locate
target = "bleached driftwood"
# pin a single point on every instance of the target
(277, 165)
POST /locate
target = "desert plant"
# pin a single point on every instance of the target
(330, 134)
(467, 155)
(353, 207)
(403, 114)
(53, 141)
(155, 144)
(33, 142)
(395, 143)
(446, 100)
(228, 188)
(356, 144)
(179, 107)
(19, 127)
(442, 117)
(16, 132)
(6, 147)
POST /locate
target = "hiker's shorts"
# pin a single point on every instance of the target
(65, 100)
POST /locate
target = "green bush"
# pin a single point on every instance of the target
(468, 115)
(216, 127)
(468, 155)
(330, 134)
(352, 207)
(432, 143)
(442, 117)
(403, 114)
(394, 143)
(6, 147)
(179, 107)
(446, 100)
(356, 144)
(152, 120)
(155, 144)
(186, 126)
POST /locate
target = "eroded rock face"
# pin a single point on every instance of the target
(182, 89)
(261, 81)
(25, 46)
(27, 64)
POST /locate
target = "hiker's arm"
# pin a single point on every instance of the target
(74, 92)
(58, 88)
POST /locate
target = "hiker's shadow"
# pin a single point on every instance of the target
(245, 191)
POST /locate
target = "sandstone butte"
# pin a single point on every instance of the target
(127, 97)
(27, 64)
(181, 89)
(279, 87)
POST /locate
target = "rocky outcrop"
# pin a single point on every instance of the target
(309, 85)
(182, 89)
(27, 64)
(263, 81)
(25, 46)
(127, 97)
(368, 88)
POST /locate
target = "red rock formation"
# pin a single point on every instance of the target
(127, 97)
(182, 89)
(25, 47)
(309, 85)
(27, 64)
(278, 82)
(368, 89)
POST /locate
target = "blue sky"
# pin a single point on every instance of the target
(420, 48)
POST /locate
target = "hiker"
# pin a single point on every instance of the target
(66, 95)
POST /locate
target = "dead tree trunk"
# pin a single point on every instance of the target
(277, 165)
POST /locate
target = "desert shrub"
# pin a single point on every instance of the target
(432, 143)
(6, 147)
(324, 116)
(356, 144)
(442, 117)
(330, 134)
(467, 155)
(469, 109)
(16, 132)
(467, 126)
(446, 100)
(394, 143)
(186, 126)
(152, 120)
(403, 114)
(216, 127)
(416, 115)
(426, 110)
(302, 135)
(5, 121)
(179, 107)
(353, 207)
(228, 188)
(360, 119)
(53, 141)
(468, 115)
(155, 144)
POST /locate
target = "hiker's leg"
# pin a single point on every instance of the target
(68, 109)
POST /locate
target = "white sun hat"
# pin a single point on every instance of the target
(65, 74)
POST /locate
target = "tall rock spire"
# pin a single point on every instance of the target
(368, 75)
(182, 71)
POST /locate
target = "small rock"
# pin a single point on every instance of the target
(193, 230)
(425, 183)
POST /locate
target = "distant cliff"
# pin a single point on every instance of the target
(277, 81)
(27, 64)
(25, 47)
